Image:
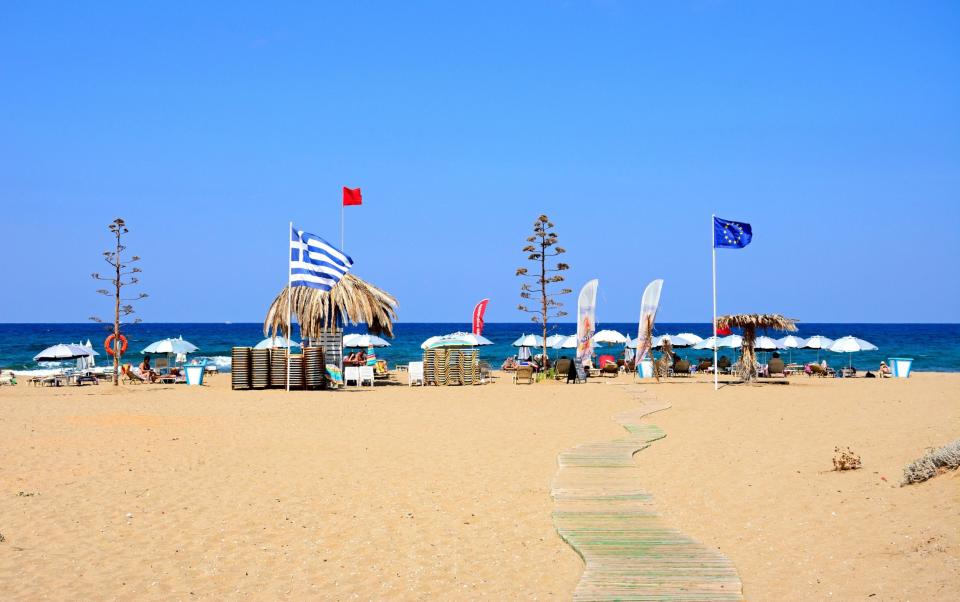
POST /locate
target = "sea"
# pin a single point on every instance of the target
(933, 347)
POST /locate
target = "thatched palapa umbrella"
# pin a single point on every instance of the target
(747, 366)
(350, 301)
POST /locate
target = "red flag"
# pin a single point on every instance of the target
(478, 312)
(723, 331)
(351, 196)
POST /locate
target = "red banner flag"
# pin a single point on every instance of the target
(478, 312)
(722, 332)
(351, 196)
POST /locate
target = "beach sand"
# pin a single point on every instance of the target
(164, 492)
(748, 469)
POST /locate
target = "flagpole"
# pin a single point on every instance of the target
(289, 305)
(713, 248)
(341, 225)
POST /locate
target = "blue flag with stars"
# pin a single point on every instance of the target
(731, 235)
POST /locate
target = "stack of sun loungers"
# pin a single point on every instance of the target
(260, 368)
(454, 373)
(435, 366)
(278, 368)
(240, 369)
(469, 367)
(295, 362)
(314, 367)
(451, 367)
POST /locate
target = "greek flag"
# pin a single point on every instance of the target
(314, 262)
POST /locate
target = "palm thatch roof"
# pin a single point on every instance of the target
(350, 301)
(747, 366)
(755, 321)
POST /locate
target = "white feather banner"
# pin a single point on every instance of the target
(648, 313)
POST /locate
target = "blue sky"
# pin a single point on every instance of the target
(834, 128)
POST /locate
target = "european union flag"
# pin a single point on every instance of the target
(731, 235)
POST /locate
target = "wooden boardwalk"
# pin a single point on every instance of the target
(602, 511)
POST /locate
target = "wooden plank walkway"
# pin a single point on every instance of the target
(602, 511)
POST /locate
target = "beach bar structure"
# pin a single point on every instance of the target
(323, 314)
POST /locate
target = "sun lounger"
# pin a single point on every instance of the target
(523, 374)
(381, 371)
(351, 374)
(681, 368)
(365, 376)
(415, 373)
(133, 375)
(611, 368)
(776, 367)
(562, 368)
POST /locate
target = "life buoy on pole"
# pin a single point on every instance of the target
(108, 344)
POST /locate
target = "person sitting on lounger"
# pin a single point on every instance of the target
(884, 370)
(146, 371)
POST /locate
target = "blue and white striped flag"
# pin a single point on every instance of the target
(314, 262)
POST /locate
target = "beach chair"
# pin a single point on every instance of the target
(7, 377)
(334, 376)
(365, 376)
(351, 374)
(486, 372)
(681, 368)
(724, 364)
(562, 368)
(611, 368)
(130, 374)
(523, 374)
(776, 367)
(381, 371)
(415, 373)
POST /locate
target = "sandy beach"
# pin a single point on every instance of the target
(175, 492)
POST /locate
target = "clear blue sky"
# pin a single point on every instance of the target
(834, 128)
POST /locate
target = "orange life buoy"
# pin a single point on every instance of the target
(108, 344)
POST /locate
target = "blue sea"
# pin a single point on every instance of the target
(934, 347)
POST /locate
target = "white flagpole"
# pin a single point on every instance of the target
(341, 225)
(713, 248)
(289, 304)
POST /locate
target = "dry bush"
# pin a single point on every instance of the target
(845, 459)
(935, 462)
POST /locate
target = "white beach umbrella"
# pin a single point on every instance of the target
(764, 343)
(569, 342)
(364, 340)
(676, 340)
(733, 341)
(276, 343)
(694, 339)
(456, 339)
(818, 342)
(791, 342)
(851, 345)
(86, 362)
(554, 340)
(529, 340)
(177, 345)
(707, 343)
(63, 352)
(609, 337)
